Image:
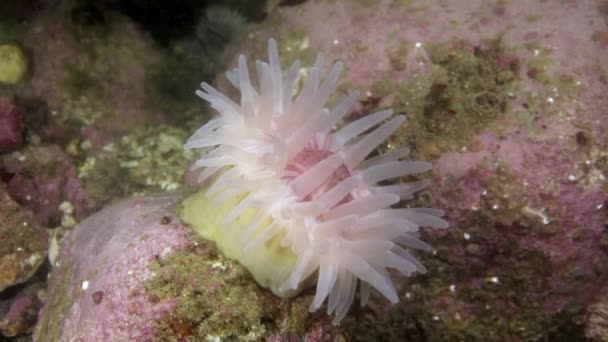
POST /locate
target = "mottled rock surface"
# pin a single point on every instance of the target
(596, 327)
(11, 126)
(97, 283)
(134, 272)
(508, 99)
(24, 243)
(42, 178)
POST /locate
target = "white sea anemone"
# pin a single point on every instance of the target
(311, 184)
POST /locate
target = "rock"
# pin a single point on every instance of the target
(97, 285)
(510, 106)
(133, 271)
(13, 64)
(20, 318)
(42, 178)
(24, 243)
(147, 160)
(25, 9)
(19, 306)
(10, 126)
(596, 327)
(511, 112)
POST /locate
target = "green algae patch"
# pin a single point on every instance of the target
(111, 56)
(539, 63)
(459, 90)
(467, 91)
(217, 299)
(82, 111)
(369, 3)
(146, 161)
(78, 81)
(24, 243)
(238, 279)
(396, 55)
(18, 231)
(556, 85)
(296, 46)
(50, 327)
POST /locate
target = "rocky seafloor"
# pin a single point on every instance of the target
(508, 100)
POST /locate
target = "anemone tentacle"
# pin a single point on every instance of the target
(311, 184)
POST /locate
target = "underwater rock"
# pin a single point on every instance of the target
(96, 77)
(19, 305)
(13, 64)
(24, 243)
(10, 125)
(133, 271)
(148, 160)
(20, 318)
(513, 114)
(25, 9)
(42, 178)
(97, 283)
(596, 327)
(12, 322)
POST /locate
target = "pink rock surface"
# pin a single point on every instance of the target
(97, 286)
(10, 126)
(20, 318)
(134, 272)
(18, 307)
(41, 178)
(525, 192)
(563, 207)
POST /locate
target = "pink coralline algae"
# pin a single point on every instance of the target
(10, 126)
(513, 111)
(20, 317)
(134, 272)
(41, 178)
(557, 210)
(98, 284)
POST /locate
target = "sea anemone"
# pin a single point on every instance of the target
(306, 187)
